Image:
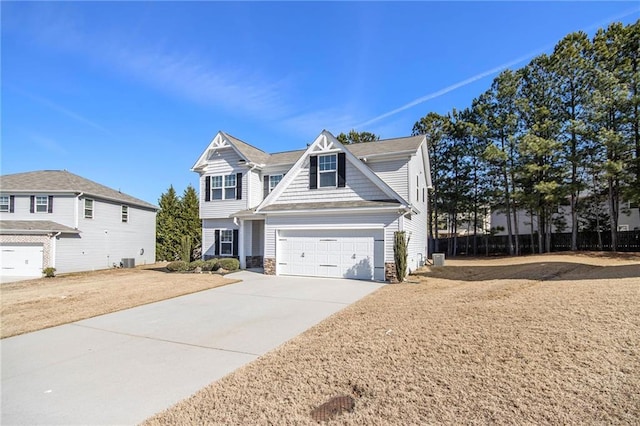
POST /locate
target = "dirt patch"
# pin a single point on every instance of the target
(36, 304)
(541, 339)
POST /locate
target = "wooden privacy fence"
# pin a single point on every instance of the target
(495, 245)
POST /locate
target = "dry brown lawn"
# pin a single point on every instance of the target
(532, 340)
(36, 304)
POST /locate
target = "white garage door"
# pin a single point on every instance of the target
(21, 260)
(345, 253)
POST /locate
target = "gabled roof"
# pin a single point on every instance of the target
(327, 143)
(249, 152)
(34, 227)
(64, 181)
(257, 156)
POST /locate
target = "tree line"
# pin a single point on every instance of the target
(560, 132)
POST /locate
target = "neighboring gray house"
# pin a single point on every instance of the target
(58, 219)
(330, 210)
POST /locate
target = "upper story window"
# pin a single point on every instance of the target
(216, 187)
(42, 204)
(125, 214)
(88, 208)
(273, 181)
(327, 170)
(230, 187)
(4, 203)
(227, 187)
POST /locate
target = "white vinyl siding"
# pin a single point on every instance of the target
(358, 187)
(106, 240)
(394, 173)
(225, 164)
(255, 193)
(63, 209)
(416, 224)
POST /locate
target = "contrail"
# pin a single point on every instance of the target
(61, 109)
(483, 74)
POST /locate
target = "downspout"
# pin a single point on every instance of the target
(52, 250)
(77, 210)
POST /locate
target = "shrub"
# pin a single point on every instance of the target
(229, 264)
(178, 266)
(49, 272)
(400, 254)
(197, 264)
(211, 265)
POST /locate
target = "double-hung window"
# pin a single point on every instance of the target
(216, 187)
(4, 203)
(88, 208)
(125, 214)
(42, 204)
(226, 242)
(230, 187)
(327, 171)
(273, 181)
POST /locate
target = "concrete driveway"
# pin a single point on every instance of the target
(123, 367)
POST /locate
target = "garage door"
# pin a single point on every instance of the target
(357, 254)
(21, 260)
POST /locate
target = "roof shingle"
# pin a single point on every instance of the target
(64, 181)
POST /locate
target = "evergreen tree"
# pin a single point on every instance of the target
(189, 221)
(572, 70)
(167, 227)
(357, 137)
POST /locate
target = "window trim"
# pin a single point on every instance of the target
(329, 171)
(222, 180)
(234, 187)
(91, 209)
(124, 213)
(46, 204)
(272, 186)
(224, 232)
(8, 210)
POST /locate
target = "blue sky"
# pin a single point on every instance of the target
(129, 94)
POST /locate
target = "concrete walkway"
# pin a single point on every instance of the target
(121, 368)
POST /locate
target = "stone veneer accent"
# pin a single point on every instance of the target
(45, 240)
(254, 261)
(269, 266)
(390, 272)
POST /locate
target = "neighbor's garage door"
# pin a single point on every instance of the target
(21, 260)
(357, 254)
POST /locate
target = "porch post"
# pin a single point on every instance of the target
(241, 248)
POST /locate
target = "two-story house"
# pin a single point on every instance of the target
(57, 219)
(330, 210)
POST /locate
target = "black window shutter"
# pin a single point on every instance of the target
(207, 188)
(217, 242)
(238, 186)
(32, 208)
(12, 204)
(235, 243)
(50, 203)
(313, 172)
(265, 186)
(342, 172)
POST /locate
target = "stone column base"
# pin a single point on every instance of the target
(269, 266)
(254, 262)
(390, 274)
